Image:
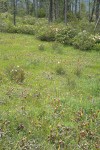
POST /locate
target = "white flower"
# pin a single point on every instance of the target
(56, 29)
(84, 31)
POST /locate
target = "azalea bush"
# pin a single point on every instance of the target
(83, 41)
(97, 47)
(47, 33)
(3, 26)
(29, 20)
(25, 29)
(66, 34)
(84, 24)
(96, 38)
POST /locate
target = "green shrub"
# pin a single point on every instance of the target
(11, 28)
(83, 41)
(41, 47)
(6, 16)
(84, 24)
(41, 13)
(29, 20)
(57, 47)
(96, 38)
(2, 26)
(47, 33)
(65, 35)
(16, 74)
(25, 29)
(60, 70)
(97, 47)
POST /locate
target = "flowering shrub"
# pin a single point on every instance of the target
(16, 74)
(97, 47)
(84, 24)
(47, 33)
(96, 38)
(65, 35)
(29, 20)
(83, 41)
(2, 26)
(25, 29)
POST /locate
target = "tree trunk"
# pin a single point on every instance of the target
(65, 12)
(97, 9)
(33, 7)
(76, 6)
(89, 9)
(93, 9)
(57, 9)
(14, 12)
(79, 8)
(36, 9)
(51, 11)
(27, 7)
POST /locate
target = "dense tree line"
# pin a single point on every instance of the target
(52, 9)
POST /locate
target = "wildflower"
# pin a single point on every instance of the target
(56, 29)
(12, 70)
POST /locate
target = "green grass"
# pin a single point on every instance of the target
(57, 106)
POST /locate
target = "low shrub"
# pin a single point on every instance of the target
(6, 16)
(10, 28)
(84, 24)
(25, 29)
(2, 26)
(41, 47)
(41, 13)
(16, 74)
(65, 35)
(96, 38)
(60, 70)
(57, 47)
(47, 33)
(83, 41)
(97, 47)
(29, 20)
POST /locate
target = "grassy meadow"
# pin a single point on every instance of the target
(49, 95)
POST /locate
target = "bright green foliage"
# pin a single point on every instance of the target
(83, 41)
(55, 103)
(80, 35)
(47, 33)
(96, 47)
(66, 34)
(28, 20)
(41, 13)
